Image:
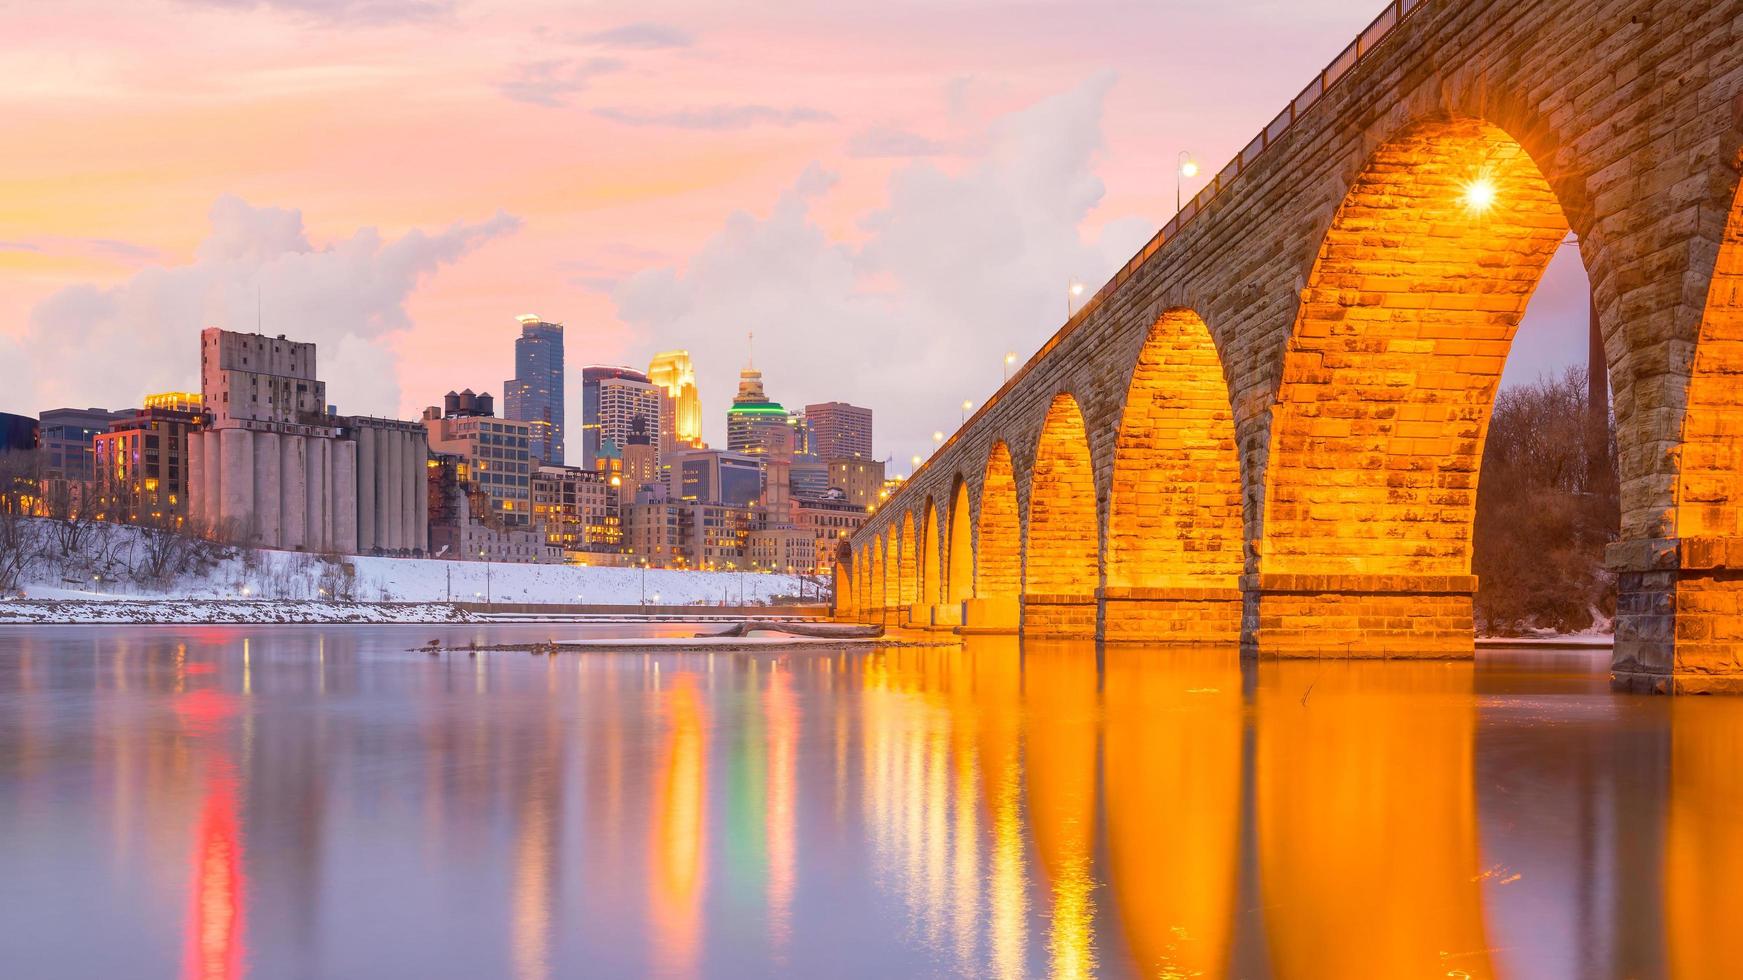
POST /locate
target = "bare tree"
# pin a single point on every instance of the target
(20, 498)
(71, 508)
(1545, 511)
(168, 548)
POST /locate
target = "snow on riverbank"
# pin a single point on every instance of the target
(296, 576)
(228, 611)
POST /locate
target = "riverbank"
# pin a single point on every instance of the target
(169, 612)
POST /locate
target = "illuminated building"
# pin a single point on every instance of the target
(496, 452)
(67, 436)
(641, 460)
(579, 511)
(839, 431)
(535, 394)
(140, 465)
(599, 424)
(808, 477)
(681, 421)
(754, 424)
(651, 533)
(463, 526)
(860, 479)
(716, 476)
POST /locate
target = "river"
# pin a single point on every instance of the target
(329, 802)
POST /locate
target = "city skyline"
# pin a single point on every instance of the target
(829, 228)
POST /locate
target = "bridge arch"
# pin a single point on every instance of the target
(929, 548)
(1175, 530)
(879, 575)
(998, 548)
(908, 585)
(959, 578)
(864, 580)
(1062, 553)
(843, 590)
(1708, 502)
(1710, 477)
(1387, 382)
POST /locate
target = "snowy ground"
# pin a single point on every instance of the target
(353, 586)
(163, 611)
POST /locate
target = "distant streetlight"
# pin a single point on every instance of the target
(1010, 359)
(1188, 170)
(913, 464)
(967, 406)
(1073, 290)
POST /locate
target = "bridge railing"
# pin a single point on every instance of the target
(1380, 28)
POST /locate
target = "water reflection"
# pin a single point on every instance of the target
(1368, 820)
(1172, 785)
(680, 832)
(298, 802)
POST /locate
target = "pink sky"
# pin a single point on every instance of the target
(891, 195)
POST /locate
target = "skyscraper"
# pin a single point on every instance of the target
(754, 424)
(681, 426)
(628, 406)
(591, 377)
(535, 393)
(840, 431)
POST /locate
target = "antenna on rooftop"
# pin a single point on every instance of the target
(750, 341)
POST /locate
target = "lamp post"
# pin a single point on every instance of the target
(1188, 169)
(1073, 289)
(484, 557)
(913, 464)
(1010, 359)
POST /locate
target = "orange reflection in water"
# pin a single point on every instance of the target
(679, 832)
(998, 684)
(218, 888)
(1059, 746)
(781, 714)
(1703, 888)
(1367, 819)
(1172, 784)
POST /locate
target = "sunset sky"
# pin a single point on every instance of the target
(890, 195)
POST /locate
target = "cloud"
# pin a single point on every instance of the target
(643, 36)
(552, 81)
(117, 343)
(717, 117)
(344, 11)
(887, 141)
(954, 270)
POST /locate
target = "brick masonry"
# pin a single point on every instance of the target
(1355, 316)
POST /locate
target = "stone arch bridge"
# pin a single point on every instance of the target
(1268, 425)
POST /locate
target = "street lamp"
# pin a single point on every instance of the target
(1010, 359)
(967, 406)
(1073, 289)
(913, 464)
(1188, 170)
(1480, 195)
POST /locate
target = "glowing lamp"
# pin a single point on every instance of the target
(1189, 169)
(1480, 194)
